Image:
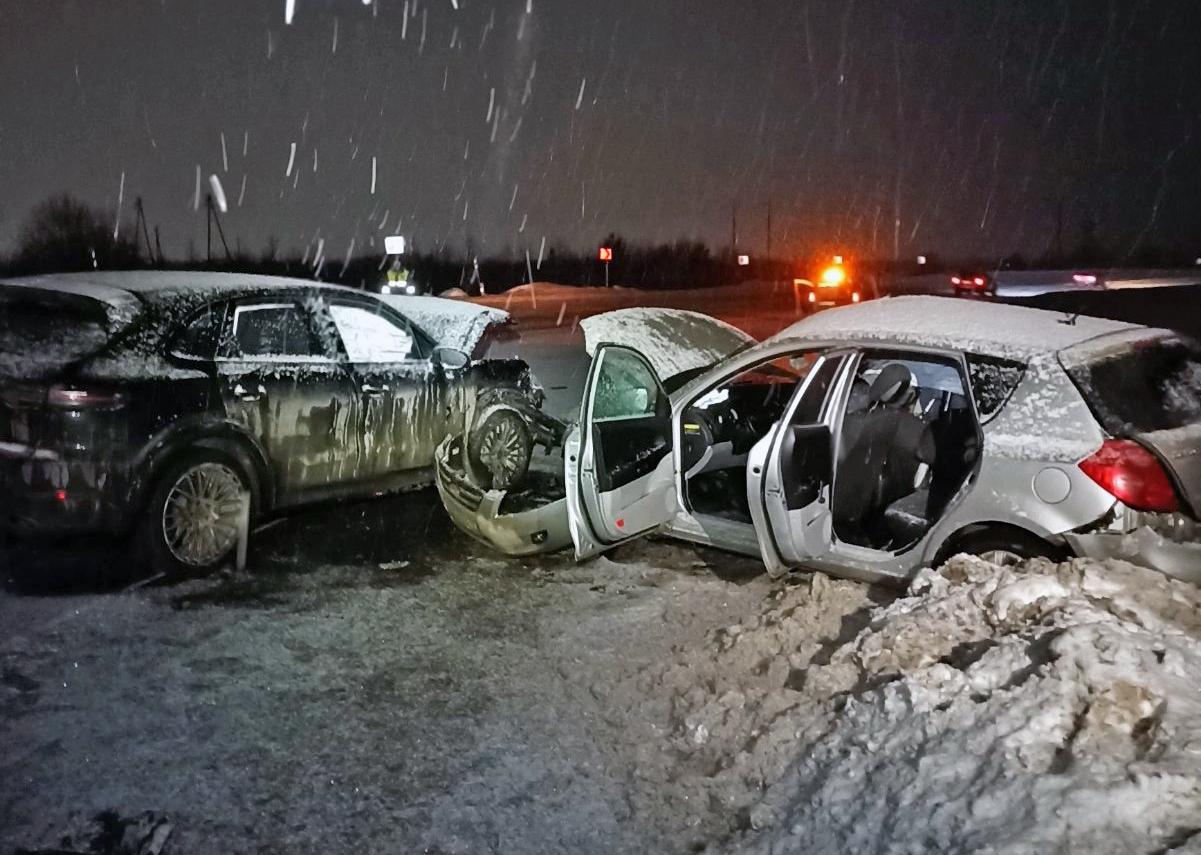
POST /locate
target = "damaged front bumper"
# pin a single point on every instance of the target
(515, 522)
(1169, 543)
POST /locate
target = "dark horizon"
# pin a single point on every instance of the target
(936, 128)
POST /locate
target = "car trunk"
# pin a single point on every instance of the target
(1148, 389)
(44, 332)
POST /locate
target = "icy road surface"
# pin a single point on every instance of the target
(364, 692)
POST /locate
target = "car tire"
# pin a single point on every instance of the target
(1004, 546)
(189, 526)
(499, 449)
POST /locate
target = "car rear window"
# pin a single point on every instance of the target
(1148, 386)
(41, 331)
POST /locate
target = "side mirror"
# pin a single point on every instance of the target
(450, 358)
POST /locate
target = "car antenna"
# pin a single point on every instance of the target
(1070, 320)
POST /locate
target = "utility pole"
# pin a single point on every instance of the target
(733, 228)
(141, 221)
(158, 247)
(769, 229)
(212, 217)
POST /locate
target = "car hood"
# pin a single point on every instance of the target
(672, 340)
(450, 323)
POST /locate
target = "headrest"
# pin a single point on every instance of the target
(893, 386)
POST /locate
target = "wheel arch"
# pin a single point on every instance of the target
(962, 539)
(223, 437)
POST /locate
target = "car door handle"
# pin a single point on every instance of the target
(241, 393)
(375, 390)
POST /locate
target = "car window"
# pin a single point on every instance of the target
(371, 337)
(993, 381)
(199, 336)
(625, 387)
(1148, 387)
(273, 330)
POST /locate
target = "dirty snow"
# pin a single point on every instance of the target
(660, 700)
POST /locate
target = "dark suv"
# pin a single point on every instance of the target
(159, 403)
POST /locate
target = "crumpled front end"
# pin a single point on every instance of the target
(524, 522)
(1169, 543)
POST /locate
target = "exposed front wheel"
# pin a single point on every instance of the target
(1005, 546)
(500, 449)
(190, 525)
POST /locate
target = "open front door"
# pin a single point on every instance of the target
(790, 474)
(619, 463)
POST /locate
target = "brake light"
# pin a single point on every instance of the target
(855, 297)
(978, 281)
(1132, 475)
(954, 280)
(80, 399)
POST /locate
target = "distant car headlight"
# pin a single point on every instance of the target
(385, 289)
(410, 289)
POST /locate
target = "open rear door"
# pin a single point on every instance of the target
(790, 474)
(620, 469)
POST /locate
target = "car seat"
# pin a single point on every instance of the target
(884, 449)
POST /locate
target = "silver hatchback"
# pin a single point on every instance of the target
(871, 440)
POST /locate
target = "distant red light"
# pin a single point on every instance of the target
(604, 253)
(61, 495)
(978, 281)
(954, 280)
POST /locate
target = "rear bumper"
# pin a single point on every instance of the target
(477, 511)
(44, 496)
(1144, 546)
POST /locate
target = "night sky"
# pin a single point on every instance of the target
(883, 126)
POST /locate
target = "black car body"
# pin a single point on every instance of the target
(129, 401)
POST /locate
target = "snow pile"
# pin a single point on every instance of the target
(1028, 708)
(1019, 709)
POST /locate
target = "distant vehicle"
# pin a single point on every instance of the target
(149, 401)
(836, 284)
(872, 440)
(974, 284)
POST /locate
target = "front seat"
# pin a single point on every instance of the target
(885, 448)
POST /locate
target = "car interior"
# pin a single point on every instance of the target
(718, 430)
(907, 442)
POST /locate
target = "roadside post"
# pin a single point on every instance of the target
(243, 530)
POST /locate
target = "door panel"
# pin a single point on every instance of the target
(791, 471)
(621, 470)
(280, 382)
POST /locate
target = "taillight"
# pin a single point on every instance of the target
(83, 399)
(954, 280)
(1132, 475)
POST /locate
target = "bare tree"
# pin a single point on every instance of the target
(62, 233)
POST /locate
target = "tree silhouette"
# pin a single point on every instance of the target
(62, 233)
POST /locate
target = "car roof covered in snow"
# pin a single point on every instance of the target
(976, 326)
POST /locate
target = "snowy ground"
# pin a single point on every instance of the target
(658, 700)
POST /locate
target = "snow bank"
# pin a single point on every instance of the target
(1009, 709)
(1014, 709)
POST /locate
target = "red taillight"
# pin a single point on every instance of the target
(79, 399)
(954, 280)
(978, 281)
(1132, 475)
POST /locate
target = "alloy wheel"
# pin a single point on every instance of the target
(502, 449)
(200, 514)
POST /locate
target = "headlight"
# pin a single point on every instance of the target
(385, 289)
(410, 289)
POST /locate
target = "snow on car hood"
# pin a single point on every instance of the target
(450, 323)
(672, 340)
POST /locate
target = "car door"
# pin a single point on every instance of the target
(790, 471)
(286, 385)
(404, 395)
(619, 465)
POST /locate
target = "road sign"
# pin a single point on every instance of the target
(394, 244)
(605, 254)
(744, 260)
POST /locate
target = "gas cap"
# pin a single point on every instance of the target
(1052, 485)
